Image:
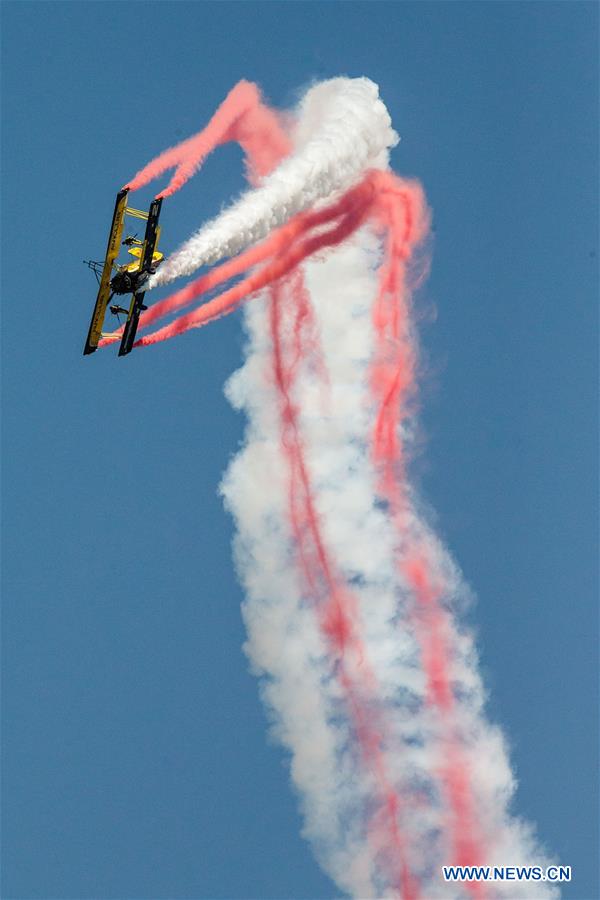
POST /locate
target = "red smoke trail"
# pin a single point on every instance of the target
(242, 117)
(337, 609)
(393, 389)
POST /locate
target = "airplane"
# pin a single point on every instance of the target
(129, 278)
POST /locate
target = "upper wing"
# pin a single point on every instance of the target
(137, 300)
(112, 251)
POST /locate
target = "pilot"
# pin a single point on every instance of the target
(125, 282)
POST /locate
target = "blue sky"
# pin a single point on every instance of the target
(136, 761)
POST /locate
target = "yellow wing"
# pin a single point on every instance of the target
(137, 252)
(112, 251)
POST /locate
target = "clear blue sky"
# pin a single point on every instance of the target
(136, 763)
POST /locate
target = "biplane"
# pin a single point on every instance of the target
(128, 278)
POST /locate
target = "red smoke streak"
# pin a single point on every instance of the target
(242, 117)
(393, 388)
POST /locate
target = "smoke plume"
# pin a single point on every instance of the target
(353, 605)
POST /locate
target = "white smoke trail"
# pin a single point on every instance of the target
(285, 645)
(342, 129)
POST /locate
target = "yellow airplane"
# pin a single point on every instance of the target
(128, 278)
